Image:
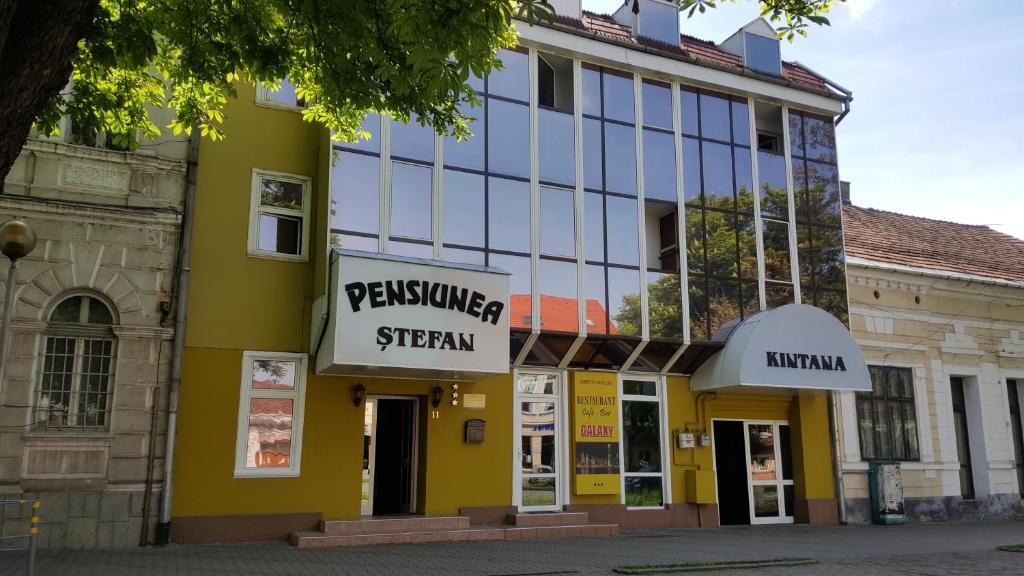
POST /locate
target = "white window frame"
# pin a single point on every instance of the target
(264, 97)
(780, 482)
(659, 399)
(256, 209)
(563, 458)
(298, 395)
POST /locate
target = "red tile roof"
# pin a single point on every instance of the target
(558, 314)
(700, 51)
(932, 244)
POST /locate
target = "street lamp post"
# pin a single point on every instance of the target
(17, 239)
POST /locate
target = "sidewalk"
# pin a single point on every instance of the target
(917, 549)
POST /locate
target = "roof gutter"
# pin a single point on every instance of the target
(942, 274)
(847, 93)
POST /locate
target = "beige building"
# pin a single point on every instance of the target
(938, 309)
(92, 328)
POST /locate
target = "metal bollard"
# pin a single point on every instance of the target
(32, 535)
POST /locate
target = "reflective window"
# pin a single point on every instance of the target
(762, 54)
(657, 98)
(740, 123)
(558, 302)
(623, 247)
(593, 165)
(593, 218)
(744, 181)
(557, 222)
(624, 301)
(688, 112)
(618, 97)
(352, 242)
(355, 193)
(411, 193)
(520, 300)
(776, 250)
(591, 91)
(463, 256)
(557, 153)
(714, 118)
(721, 243)
(468, 153)
(717, 165)
(371, 125)
(691, 170)
(508, 138)
(411, 249)
(659, 165)
(509, 214)
(823, 198)
(463, 208)
(664, 298)
(620, 158)
(597, 310)
(771, 172)
(513, 80)
(412, 140)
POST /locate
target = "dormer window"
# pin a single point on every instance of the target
(761, 54)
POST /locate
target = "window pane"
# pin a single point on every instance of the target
(785, 448)
(538, 491)
(69, 310)
(538, 437)
(624, 301)
(509, 214)
(280, 234)
(644, 491)
(714, 118)
(771, 174)
(695, 240)
(641, 435)
(371, 124)
(463, 208)
(776, 251)
(659, 166)
(557, 222)
(796, 134)
(591, 91)
(620, 158)
(623, 243)
(900, 383)
(411, 193)
(597, 314)
(593, 164)
(557, 154)
(688, 105)
(717, 161)
(508, 138)
(468, 153)
(512, 81)
(657, 104)
(98, 312)
(721, 244)
(536, 384)
(829, 270)
(664, 301)
(823, 197)
(618, 97)
(463, 256)
(778, 294)
(411, 249)
(766, 501)
(748, 246)
(520, 301)
(740, 123)
(762, 54)
(866, 427)
(698, 308)
(821, 139)
(412, 140)
(723, 303)
(285, 94)
(280, 193)
(744, 181)
(558, 302)
(350, 242)
(639, 388)
(273, 375)
(691, 170)
(910, 430)
(355, 193)
(762, 452)
(593, 218)
(269, 442)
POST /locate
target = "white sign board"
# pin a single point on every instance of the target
(793, 346)
(406, 317)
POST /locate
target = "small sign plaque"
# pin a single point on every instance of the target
(475, 431)
(474, 401)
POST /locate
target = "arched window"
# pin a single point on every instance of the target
(78, 359)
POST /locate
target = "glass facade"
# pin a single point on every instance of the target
(634, 219)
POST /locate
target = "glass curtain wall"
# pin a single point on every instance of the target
(718, 192)
(819, 211)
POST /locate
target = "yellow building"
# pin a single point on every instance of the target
(505, 333)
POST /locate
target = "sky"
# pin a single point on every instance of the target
(937, 121)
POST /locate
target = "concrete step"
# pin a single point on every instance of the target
(548, 519)
(323, 540)
(398, 524)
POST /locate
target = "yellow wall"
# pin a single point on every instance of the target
(456, 474)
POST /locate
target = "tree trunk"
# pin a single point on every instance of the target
(38, 39)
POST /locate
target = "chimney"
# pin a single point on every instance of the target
(844, 191)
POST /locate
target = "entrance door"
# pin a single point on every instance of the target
(389, 455)
(1018, 434)
(769, 472)
(539, 456)
(731, 473)
(963, 439)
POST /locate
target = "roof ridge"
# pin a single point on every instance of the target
(894, 213)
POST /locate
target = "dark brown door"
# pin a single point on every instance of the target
(393, 459)
(963, 439)
(731, 472)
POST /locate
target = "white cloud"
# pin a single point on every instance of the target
(859, 7)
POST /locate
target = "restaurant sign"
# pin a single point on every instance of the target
(394, 316)
(596, 432)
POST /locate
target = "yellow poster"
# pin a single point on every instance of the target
(596, 433)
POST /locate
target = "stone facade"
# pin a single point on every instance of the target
(940, 325)
(108, 225)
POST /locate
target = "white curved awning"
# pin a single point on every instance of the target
(793, 346)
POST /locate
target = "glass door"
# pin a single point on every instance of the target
(769, 472)
(369, 433)
(539, 428)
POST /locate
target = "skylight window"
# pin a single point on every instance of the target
(761, 54)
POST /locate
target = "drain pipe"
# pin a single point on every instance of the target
(163, 526)
(837, 464)
(847, 93)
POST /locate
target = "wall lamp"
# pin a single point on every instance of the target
(436, 396)
(358, 394)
